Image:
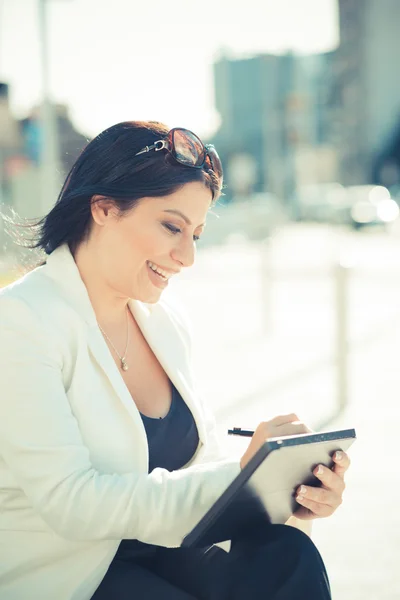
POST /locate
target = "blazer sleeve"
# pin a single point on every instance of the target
(41, 444)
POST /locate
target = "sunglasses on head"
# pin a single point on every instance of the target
(187, 149)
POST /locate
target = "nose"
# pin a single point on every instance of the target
(184, 253)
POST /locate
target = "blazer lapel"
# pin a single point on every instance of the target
(165, 341)
(61, 267)
(100, 352)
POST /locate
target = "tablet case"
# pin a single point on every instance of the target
(264, 491)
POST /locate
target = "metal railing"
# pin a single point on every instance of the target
(343, 273)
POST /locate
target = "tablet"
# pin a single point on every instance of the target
(264, 491)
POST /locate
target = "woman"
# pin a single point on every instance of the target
(107, 456)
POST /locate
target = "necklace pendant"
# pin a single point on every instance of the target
(124, 366)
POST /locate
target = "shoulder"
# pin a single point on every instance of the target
(25, 334)
(34, 288)
(29, 308)
(24, 293)
(29, 295)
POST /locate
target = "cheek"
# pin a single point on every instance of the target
(148, 243)
(131, 243)
(132, 247)
(121, 257)
(128, 248)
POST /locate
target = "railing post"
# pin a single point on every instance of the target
(266, 285)
(342, 272)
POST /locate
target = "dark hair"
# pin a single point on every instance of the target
(108, 167)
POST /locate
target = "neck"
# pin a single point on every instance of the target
(109, 306)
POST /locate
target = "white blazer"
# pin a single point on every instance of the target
(73, 450)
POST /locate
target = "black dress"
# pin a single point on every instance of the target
(275, 563)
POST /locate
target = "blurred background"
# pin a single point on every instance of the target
(294, 299)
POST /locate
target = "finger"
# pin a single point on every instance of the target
(284, 419)
(319, 496)
(291, 429)
(330, 479)
(317, 509)
(342, 463)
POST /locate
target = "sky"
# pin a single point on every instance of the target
(116, 60)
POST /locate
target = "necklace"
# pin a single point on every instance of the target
(124, 364)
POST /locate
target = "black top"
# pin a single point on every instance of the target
(172, 440)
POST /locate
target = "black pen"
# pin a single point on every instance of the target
(240, 431)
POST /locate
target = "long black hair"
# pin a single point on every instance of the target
(108, 167)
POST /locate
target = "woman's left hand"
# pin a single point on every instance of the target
(323, 501)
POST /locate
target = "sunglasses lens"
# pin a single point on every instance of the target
(188, 149)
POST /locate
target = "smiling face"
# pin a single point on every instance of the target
(138, 252)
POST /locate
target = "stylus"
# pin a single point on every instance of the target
(240, 431)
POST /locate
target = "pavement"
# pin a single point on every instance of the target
(252, 366)
(361, 543)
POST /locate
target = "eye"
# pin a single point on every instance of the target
(174, 230)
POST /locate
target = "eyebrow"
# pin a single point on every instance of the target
(181, 215)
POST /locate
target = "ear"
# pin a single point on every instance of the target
(102, 209)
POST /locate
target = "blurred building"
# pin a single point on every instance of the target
(20, 140)
(12, 158)
(312, 114)
(251, 140)
(70, 141)
(368, 91)
(274, 122)
(20, 148)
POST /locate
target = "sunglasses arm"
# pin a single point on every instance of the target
(159, 145)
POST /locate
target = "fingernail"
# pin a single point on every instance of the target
(302, 490)
(299, 498)
(319, 470)
(338, 455)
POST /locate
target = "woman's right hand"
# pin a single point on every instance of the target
(281, 426)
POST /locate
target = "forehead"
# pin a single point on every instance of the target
(193, 200)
